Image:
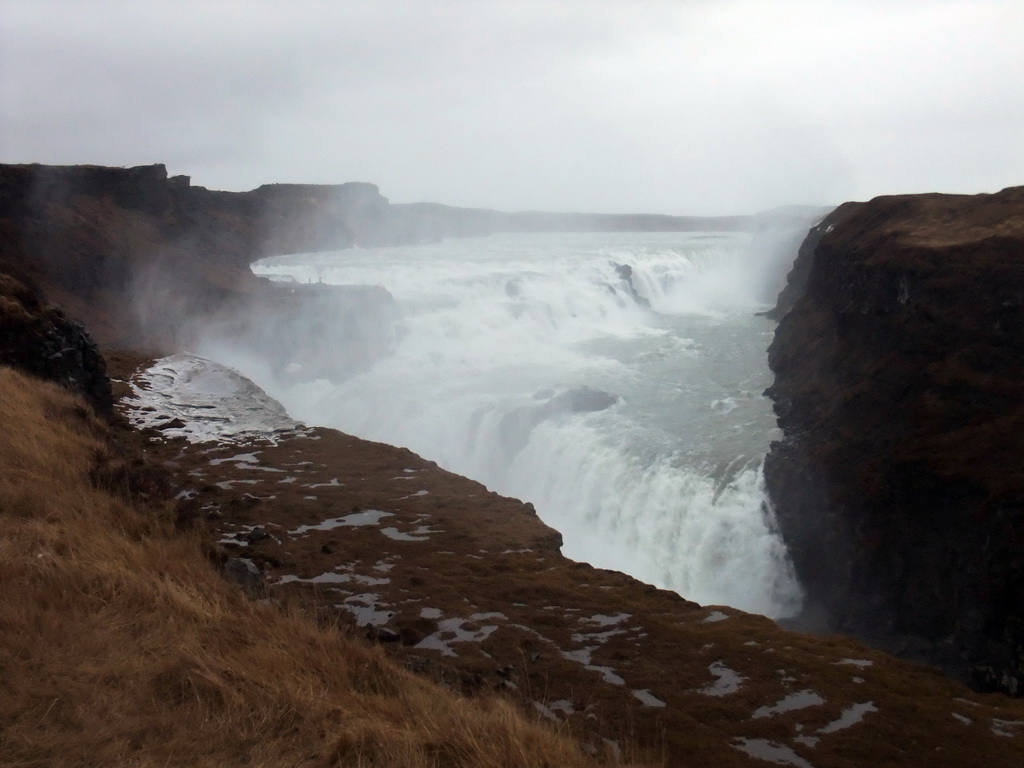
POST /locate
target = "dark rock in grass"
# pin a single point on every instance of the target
(243, 572)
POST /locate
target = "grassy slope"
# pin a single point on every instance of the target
(122, 646)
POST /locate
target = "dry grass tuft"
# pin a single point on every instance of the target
(121, 645)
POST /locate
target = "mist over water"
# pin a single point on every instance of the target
(625, 404)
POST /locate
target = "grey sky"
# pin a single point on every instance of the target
(686, 107)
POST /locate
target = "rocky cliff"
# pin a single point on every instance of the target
(147, 260)
(38, 338)
(140, 256)
(899, 484)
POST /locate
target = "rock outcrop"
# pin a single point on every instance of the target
(38, 338)
(140, 256)
(146, 260)
(899, 484)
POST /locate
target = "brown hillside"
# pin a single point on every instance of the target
(122, 646)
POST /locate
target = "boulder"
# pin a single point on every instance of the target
(243, 572)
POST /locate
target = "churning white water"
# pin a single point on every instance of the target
(613, 380)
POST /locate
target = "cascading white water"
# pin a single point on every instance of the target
(624, 403)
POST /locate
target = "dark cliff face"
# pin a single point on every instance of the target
(899, 485)
(39, 339)
(142, 258)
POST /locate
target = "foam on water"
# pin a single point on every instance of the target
(625, 404)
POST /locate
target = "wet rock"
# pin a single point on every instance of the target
(516, 425)
(243, 572)
(257, 534)
(382, 635)
(625, 273)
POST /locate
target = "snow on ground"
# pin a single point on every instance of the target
(366, 517)
(452, 631)
(203, 401)
(728, 680)
(794, 701)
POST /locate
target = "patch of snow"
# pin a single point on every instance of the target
(241, 458)
(602, 620)
(647, 699)
(714, 616)
(961, 718)
(583, 656)
(227, 484)
(562, 705)
(422, 533)
(451, 631)
(430, 613)
(545, 710)
(580, 655)
(856, 662)
(364, 608)
(412, 495)
(770, 751)
(607, 674)
(728, 680)
(212, 401)
(334, 483)
(792, 702)
(849, 716)
(366, 517)
(332, 577)
(289, 479)
(599, 637)
(1006, 728)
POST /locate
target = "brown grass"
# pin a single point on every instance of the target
(121, 645)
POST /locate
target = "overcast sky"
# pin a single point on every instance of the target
(686, 107)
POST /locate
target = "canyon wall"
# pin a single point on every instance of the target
(899, 484)
(149, 260)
